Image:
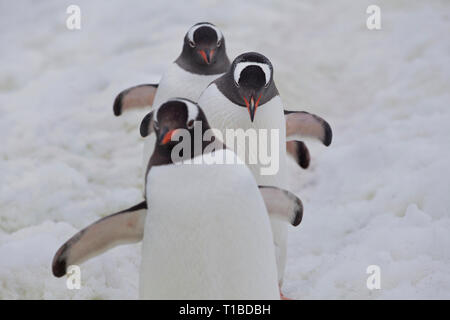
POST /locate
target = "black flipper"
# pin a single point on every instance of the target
(303, 124)
(123, 227)
(135, 97)
(282, 204)
(300, 153)
(146, 125)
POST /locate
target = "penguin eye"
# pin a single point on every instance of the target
(219, 43)
(192, 43)
(190, 124)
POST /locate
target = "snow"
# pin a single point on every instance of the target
(379, 195)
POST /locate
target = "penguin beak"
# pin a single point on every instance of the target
(252, 106)
(165, 136)
(207, 55)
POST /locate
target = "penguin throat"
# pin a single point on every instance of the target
(187, 63)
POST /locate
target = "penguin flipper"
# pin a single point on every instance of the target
(283, 204)
(300, 153)
(135, 97)
(123, 227)
(302, 123)
(146, 126)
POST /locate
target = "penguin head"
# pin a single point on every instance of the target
(173, 115)
(252, 74)
(204, 45)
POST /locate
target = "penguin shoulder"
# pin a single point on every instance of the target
(275, 102)
(177, 82)
(215, 104)
(173, 75)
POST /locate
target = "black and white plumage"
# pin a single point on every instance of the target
(246, 97)
(203, 58)
(206, 238)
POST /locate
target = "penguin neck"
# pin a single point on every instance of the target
(162, 155)
(221, 65)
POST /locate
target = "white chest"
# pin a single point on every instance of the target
(179, 83)
(207, 235)
(269, 127)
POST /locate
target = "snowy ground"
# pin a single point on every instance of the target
(379, 195)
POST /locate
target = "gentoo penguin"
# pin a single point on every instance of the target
(204, 225)
(202, 59)
(246, 97)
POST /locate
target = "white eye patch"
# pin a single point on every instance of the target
(191, 108)
(194, 28)
(242, 65)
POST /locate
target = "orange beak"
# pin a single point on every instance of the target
(168, 137)
(252, 106)
(207, 55)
